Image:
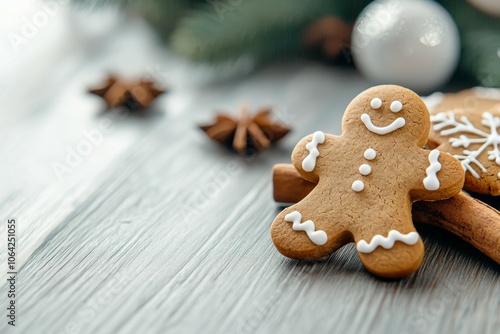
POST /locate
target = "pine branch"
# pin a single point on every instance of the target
(480, 56)
(480, 37)
(165, 15)
(162, 14)
(225, 30)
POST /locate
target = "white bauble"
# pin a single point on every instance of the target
(413, 43)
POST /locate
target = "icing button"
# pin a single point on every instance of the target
(358, 186)
(365, 169)
(370, 154)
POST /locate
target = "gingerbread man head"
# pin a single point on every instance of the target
(385, 109)
(367, 180)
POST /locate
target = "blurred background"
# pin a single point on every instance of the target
(54, 51)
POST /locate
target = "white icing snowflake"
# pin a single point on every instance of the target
(464, 127)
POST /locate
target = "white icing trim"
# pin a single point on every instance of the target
(431, 182)
(376, 103)
(487, 93)
(309, 163)
(396, 124)
(396, 106)
(358, 186)
(387, 242)
(447, 124)
(370, 154)
(318, 237)
(433, 100)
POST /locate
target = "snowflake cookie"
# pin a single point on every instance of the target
(467, 125)
(367, 180)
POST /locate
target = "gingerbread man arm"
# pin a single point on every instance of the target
(308, 154)
(440, 176)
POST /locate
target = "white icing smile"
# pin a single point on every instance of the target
(387, 242)
(396, 124)
(318, 237)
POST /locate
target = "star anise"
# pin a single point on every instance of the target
(330, 34)
(245, 134)
(132, 95)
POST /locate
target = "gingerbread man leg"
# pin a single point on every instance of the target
(393, 255)
(399, 260)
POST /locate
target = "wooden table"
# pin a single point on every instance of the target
(158, 230)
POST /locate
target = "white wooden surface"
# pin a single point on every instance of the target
(157, 230)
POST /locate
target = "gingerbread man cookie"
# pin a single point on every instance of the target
(367, 180)
(467, 125)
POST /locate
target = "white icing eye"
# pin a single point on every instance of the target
(396, 106)
(376, 103)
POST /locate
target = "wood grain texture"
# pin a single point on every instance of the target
(158, 230)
